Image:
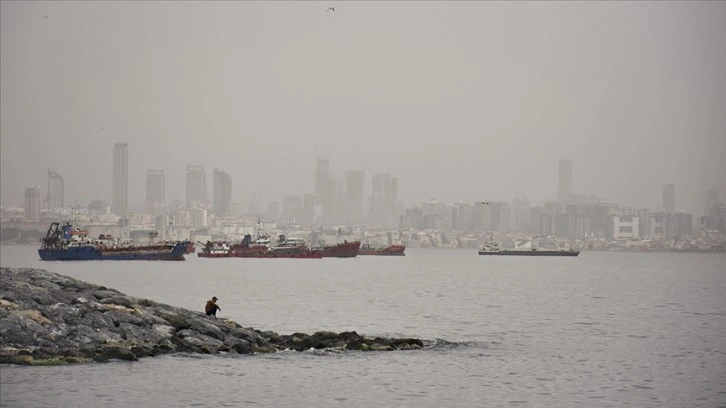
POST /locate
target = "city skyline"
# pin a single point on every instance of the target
(466, 107)
(358, 202)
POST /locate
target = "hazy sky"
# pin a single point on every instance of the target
(459, 100)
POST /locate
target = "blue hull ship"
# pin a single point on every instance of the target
(65, 244)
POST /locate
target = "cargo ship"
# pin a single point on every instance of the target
(391, 250)
(344, 249)
(260, 248)
(285, 248)
(493, 249)
(215, 250)
(64, 243)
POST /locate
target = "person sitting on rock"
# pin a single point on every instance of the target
(211, 308)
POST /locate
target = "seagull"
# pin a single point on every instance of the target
(331, 9)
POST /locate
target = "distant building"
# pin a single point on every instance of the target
(55, 191)
(480, 217)
(574, 222)
(120, 199)
(32, 204)
(383, 200)
(436, 215)
(322, 175)
(273, 211)
(564, 191)
(499, 216)
(324, 189)
(656, 225)
(292, 207)
(413, 218)
(97, 208)
(679, 225)
(521, 214)
(712, 203)
(222, 200)
(669, 198)
(715, 213)
(623, 227)
(196, 186)
(255, 205)
(354, 193)
(155, 191)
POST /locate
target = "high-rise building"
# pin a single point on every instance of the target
(255, 205)
(713, 203)
(322, 176)
(292, 208)
(273, 211)
(354, 193)
(32, 204)
(55, 191)
(383, 198)
(196, 186)
(222, 200)
(155, 191)
(324, 189)
(669, 198)
(120, 199)
(564, 191)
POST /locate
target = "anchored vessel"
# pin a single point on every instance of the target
(391, 250)
(343, 250)
(63, 243)
(493, 249)
(260, 248)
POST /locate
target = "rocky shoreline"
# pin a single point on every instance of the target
(47, 318)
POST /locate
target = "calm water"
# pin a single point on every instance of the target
(600, 330)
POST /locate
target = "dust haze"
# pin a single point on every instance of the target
(458, 100)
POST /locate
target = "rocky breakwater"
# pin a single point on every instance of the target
(47, 318)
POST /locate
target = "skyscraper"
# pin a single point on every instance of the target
(196, 186)
(32, 204)
(383, 198)
(55, 191)
(322, 176)
(669, 198)
(254, 208)
(354, 194)
(120, 199)
(222, 200)
(564, 191)
(155, 191)
(324, 188)
(713, 203)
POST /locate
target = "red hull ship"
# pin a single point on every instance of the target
(343, 250)
(391, 250)
(248, 249)
(215, 250)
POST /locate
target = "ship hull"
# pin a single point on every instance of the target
(343, 250)
(393, 250)
(89, 253)
(530, 253)
(302, 255)
(215, 255)
(264, 252)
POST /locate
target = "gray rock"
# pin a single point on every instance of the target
(46, 318)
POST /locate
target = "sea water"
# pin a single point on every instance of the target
(604, 329)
